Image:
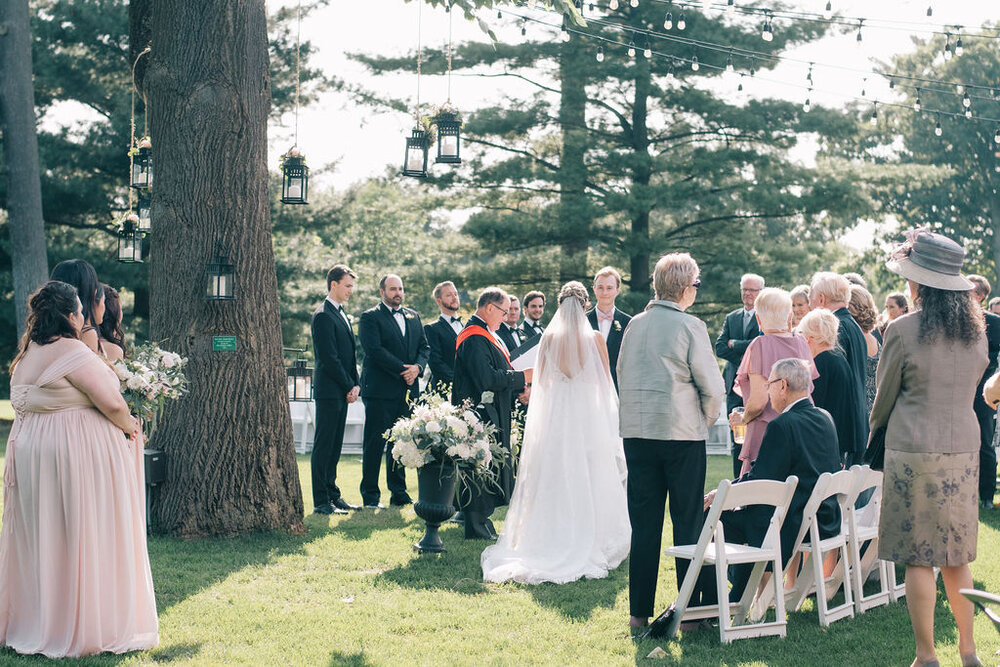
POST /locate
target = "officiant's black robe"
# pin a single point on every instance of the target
(481, 367)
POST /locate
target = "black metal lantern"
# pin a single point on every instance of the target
(295, 178)
(142, 165)
(300, 379)
(145, 221)
(219, 275)
(130, 240)
(448, 130)
(415, 162)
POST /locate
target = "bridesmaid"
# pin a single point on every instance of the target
(111, 331)
(81, 275)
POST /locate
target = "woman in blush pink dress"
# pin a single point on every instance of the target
(74, 571)
(774, 315)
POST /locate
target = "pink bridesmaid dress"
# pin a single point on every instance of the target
(74, 570)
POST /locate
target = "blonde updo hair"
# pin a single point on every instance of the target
(673, 274)
(821, 325)
(573, 289)
(774, 307)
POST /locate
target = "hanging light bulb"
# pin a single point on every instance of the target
(828, 10)
(499, 14)
(966, 100)
(930, 11)
(916, 102)
(968, 112)
(631, 49)
(668, 21)
(600, 54)
(959, 88)
(647, 52)
(633, 3)
(766, 34)
(694, 63)
(996, 136)
(859, 38)
(739, 89)
(873, 120)
(892, 83)
(959, 50)
(730, 67)
(937, 129)
(565, 36)
(613, 5)
(681, 22)
(524, 28)
(947, 47)
(864, 85)
(807, 107)
(753, 65)
(730, 7)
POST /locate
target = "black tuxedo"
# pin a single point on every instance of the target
(335, 375)
(733, 330)
(800, 442)
(614, 340)
(481, 367)
(851, 340)
(985, 416)
(441, 340)
(511, 336)
(528, 331)
(384, 392)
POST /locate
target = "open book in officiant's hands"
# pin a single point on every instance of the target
(525, 356)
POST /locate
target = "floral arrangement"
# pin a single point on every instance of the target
(150, 376)
(440, 431)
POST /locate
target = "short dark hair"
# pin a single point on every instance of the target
(531, 296)
(81, 274)
(337, 273)
(381, 283)
(980, 285)
(491, 295)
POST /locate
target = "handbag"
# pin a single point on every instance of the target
(875, 453)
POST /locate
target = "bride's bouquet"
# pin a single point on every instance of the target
(438, 431)
(150, 376)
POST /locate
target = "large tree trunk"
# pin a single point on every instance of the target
(20, 154)
(574, 211)
(638, 242)
(231, 461)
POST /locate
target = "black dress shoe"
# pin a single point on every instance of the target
(374, 506)
(344, 505)
(325, 508)
(400, 499)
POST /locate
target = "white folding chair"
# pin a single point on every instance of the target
(862, 528)
(811, 578)
(712, 549)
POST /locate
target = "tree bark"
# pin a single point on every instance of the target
(574, 212)
(642, 169)
(20, 152)
(231, 460)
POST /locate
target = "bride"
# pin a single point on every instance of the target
(568, 516)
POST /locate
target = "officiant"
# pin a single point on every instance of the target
(484, 376)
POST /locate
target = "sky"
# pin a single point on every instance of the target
(355, 142)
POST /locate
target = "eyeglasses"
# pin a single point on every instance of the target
(696, 284)
(770, 382)
(500, 309)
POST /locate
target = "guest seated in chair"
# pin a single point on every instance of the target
(800, 441)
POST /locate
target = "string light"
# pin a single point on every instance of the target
(753, 65)
(874, 117)
(668, 22)
(947, 46)
(968, 112)
(958, 46)
(966, 101)
(864, 85)
(633, 3)
(916, 102)
(730, 7)
(996, 136)
(681, 22)
(809, 75)
(647, 52)
(959, 88)
(600, 54)
(930, 11)
(613, 5)
(807, 107)
(565, 27)
(937, 128)
(694, 63)
(631, 49)
(739, 89)
(858, 39)
(730, 67)
(766, 33)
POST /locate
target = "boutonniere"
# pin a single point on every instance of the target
(486, 398)
(409, 316)
(618, 325)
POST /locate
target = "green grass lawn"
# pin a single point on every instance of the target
(352, 592)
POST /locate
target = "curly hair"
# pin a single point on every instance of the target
(49, 308)
(949, 314)
(574, 289)
(862, 308)
(111, 328)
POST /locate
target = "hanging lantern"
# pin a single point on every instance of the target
(449, 129)
(129, 240)
(145, 222)
(415, 162)
(300, 377)
(142, 164)
(294, 178)
(219, 274)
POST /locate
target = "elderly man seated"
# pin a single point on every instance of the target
(800, 441)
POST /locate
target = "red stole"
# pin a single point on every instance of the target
(476, 330)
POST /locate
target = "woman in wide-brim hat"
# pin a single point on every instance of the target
(932, 362)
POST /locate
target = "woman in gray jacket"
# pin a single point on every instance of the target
(670, 393)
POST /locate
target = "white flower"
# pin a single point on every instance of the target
(486, 398)
(433, 427)
(460, 428)
(168, 360)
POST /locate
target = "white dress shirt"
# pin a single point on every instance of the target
(457, 326)
(340, 309)
(604, 326)
(398, 316)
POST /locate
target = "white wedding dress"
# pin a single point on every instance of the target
(568, 516)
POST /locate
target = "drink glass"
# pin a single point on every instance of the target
(739, 430)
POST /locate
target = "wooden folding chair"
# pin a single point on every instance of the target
(862, 528)
(811, 578)
(712, 549)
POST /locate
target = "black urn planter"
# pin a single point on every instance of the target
(436, 488)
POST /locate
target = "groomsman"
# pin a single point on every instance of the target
(483, 375)
(396, 353)
(606, 318)
(534, 308)
(335, 385)
(508, 331)
(441, 335)
(738, 331)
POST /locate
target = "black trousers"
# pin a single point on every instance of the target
(734, 401)
(987, 455)
(331, 418)
(380, 415)
(659, 470)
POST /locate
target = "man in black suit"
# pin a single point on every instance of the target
(800, 441)
(606, 318)
(483, 376)
(534, 308)
(984, 413)
(738, 331)
(396, 353)
(508, 330)
(833, 292)
(441, 335)
(335, 385)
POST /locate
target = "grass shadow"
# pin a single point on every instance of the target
(577, 600)
(175, 652)
(361, 524)
(338, 659)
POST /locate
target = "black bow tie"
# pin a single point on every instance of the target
(456, 319)
(395, 311)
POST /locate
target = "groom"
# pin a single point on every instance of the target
(484, 376)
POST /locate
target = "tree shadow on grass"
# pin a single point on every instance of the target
(577, 600)
(359, 525)
(338, 659)
(171, 653)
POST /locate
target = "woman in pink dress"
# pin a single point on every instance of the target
(74, 571)
(774, 315)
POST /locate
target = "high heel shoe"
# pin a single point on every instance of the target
(971, 661)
